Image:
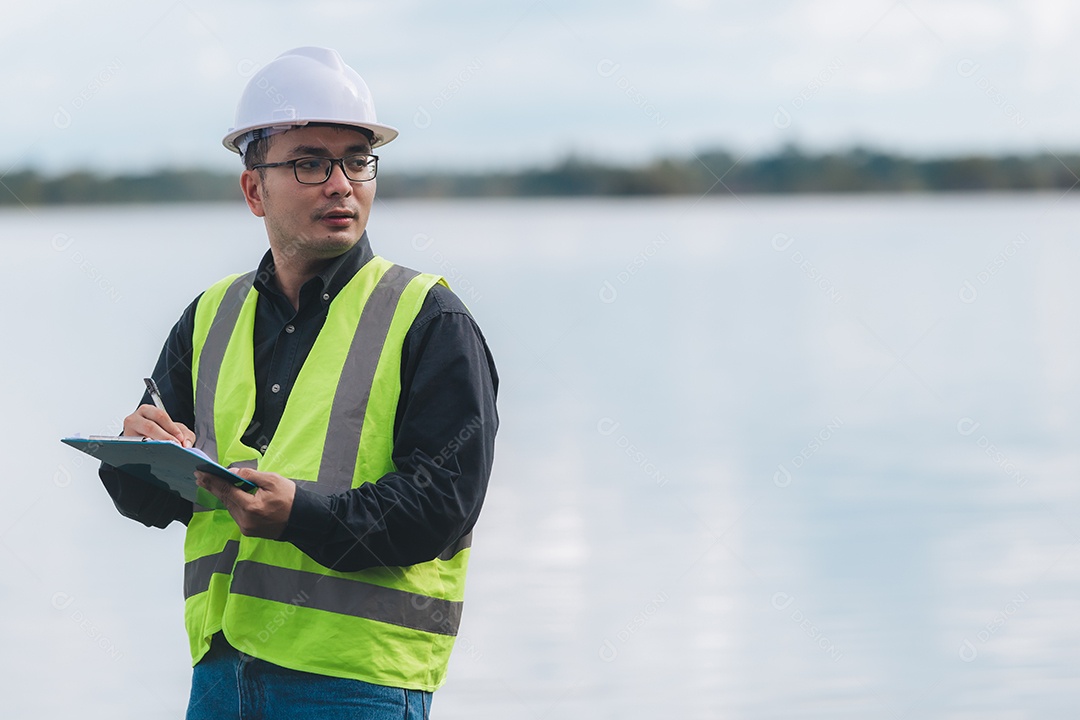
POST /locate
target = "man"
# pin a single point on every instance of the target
(357, 395)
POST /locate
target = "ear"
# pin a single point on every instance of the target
(251, 184)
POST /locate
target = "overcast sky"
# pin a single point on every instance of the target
(144, 84)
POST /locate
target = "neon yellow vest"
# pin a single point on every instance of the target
(389, 625)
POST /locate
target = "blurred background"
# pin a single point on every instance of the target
(782, 297)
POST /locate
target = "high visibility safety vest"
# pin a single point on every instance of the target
(390, 626)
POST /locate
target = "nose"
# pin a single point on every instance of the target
(337, 183)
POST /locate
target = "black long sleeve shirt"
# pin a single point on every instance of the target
(444, 429)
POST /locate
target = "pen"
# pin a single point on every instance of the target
(155, 394)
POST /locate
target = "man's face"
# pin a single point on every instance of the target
(313, 222)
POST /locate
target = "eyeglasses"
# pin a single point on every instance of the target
(316, 170)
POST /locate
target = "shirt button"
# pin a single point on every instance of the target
(275, 388)
(326, 297)
(263, 450)
(289, 328)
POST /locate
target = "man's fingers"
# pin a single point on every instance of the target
(187, 435)
(214, 484)
(254, 477)
(154, 423)
(174, 429)
(219, 488)
(141, 423)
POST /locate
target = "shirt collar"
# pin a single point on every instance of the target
(329, 281)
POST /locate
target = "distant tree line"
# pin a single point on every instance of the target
(720, 173)
(31, 188)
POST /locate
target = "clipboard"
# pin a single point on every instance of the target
(161, 463)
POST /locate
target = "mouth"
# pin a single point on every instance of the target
(337, 217)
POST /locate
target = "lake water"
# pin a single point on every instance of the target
(760, 458)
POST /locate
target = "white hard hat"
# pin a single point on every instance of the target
(301, 86)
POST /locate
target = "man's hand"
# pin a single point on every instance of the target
(152, 422)
(262, 515)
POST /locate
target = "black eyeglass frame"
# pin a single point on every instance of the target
(373, 162)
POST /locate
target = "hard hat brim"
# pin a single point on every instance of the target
(382, 133)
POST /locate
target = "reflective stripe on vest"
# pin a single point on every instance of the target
(197, 576)
(338, 465)
(347, 597)
(391, 626)
(213, 353)
(197, 572)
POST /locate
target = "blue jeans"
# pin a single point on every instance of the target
(227, 685)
